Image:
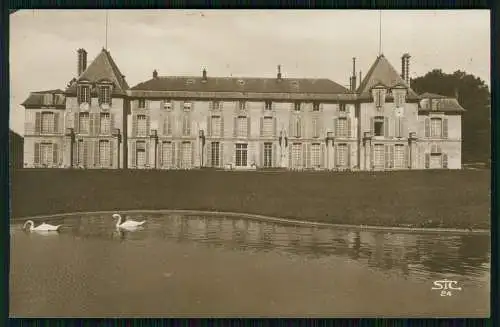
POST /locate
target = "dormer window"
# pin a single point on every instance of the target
(141, 103)
(242, 105)
(84, 94)
(379, 97)
(105, 94)
(269, 105)
(399, 98)
(215, 105)
(187, 106)
(297, 106)
(167, 104)
(316, 106)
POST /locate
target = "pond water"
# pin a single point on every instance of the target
(188, 265)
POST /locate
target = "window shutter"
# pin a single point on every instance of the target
(86, 153)
(210, 105)
(322, 162)
(334, 126)
(391, 149)
(134, 126)
(221, 154)
(147, 144)
(387, 156)
(235, 126)
(56, 122)
(209, 126)
(173, 154)
(188, 122)
(427, 160)
(97, 124)
(290, 156)
(36, 158)
(148, 132)
(308, 155)
(261, 126)
(91, 124)
(275, 126)
(38, 123)
(386, 127)
(222, 126)
(291, 124)
(111, 123)
(274, 155)
(96, 153)
(445, 128)
(209, 154)
(406, 157)
(76, 153)
(348, 155)
(445, 160)
(192, 154)
(302, 127)
(133, 159)
(179, 155)
(304, 155)
(76, 123)
(55, 153)
(349, 126)
(397, 125)
(335, 155)
(372, 125)
(261, 153)
(427, 127)
(248, 126)
(111, 152)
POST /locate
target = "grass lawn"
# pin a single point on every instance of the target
(451, 199)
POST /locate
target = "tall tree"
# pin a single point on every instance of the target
(473, 94)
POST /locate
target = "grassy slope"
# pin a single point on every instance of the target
(448, 198)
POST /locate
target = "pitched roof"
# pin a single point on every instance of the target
(49, 98)
(103, 67)
(432, 95)
(441, 104)
(241, 84)
(382, 73)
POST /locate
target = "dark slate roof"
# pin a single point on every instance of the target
(103, 67)
(49, 98)
(240, 84)
(428, 95)
(382, 73)
(439, 103)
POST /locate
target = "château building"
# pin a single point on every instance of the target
(178, 122)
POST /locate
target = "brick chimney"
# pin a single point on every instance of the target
(405, 68)
(155, 73)
(82, 61)
(279, 73)
(204, 75)
(353, 78)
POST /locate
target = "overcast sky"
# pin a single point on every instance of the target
(316, 44)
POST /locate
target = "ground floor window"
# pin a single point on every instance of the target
(315, 155)
(82, 153)
(104, 153)
(46, 154)
(436, 161)
(342, 155)
(268, 155)
(296, 155)
(378, 156)
(399, 156)
(187, 154)
(140, 155)
(241, 155)
(167, 153)
(215, 154)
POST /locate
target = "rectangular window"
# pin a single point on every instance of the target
(379, 98)
(216, 126)
(399, 156)
(46, 154)
(166, 153)
(268, 155)
(105, 127)
(104, 153)
(341, 127)
(242, 126)
(268, 126)
(186, 125)
(297, 106)
(296, 155)
(297, 127)
(436, 161)
(399, 99)
(140, 154)
(342, 107)
(187, 106)
(84, 95)
(241, 155)
(167, 104)
(141, 103)
(141, 125)
(378, 126)
(316, 106)
(342, 155)
(378, 156)
(399, 127)
(269, 105)
(315, 155)
(436, 127)
(315, 127)
(48, 122)
(84, 123)
(186, 155)
(215, 154)
(242, 105)
(105, 95)
(215, 105)
(81, 160)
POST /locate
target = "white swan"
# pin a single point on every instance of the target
(128, 224)
(41, 228)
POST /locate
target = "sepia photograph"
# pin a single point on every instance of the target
(250, 163)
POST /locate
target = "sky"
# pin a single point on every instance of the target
(246, 43)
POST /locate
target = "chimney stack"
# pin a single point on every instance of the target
(155, 74)
(279, 73)
(405, 68)
(204, 75)
(82, 61)
(353, 79)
